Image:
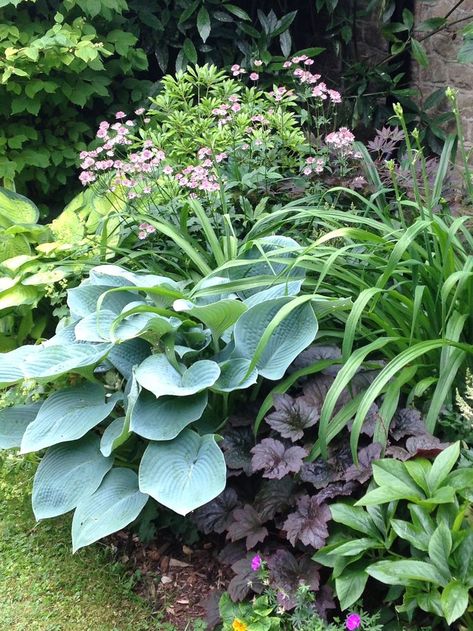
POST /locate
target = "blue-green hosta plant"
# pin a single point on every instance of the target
(152, 369)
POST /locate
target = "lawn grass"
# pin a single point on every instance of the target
(43, 587)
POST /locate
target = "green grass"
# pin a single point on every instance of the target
(43, 587)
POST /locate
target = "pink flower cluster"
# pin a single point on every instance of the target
(145, 230)
(201, 176)
(304, 76)
(313, 165)
(225, 111)
(237, 70)
(341, 142)
(279, 93)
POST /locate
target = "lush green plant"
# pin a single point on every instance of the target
(146, 358)
(416, 534)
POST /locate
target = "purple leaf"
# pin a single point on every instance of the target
(231, 553)
(291, 416)
(335, 490)
(362, 472)
(245, 580)
(315, 353)
(236, 447)
(274, 497)
(247, 523)
(407, 422)
(426, 446)
(211, 608)
(216, 516)
(370, 421)
(309, 523)
(319, 473)
(287, 574)
(324, 601)
(275, 460)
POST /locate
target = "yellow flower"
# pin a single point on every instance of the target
(238, 625)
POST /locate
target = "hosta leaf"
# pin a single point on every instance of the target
(128, 354)
(158, 376)
(275, 460)
(67, 415)
(114, 435)
(217, 316)
(44, 362)
(234, 375)
(13, 423)
(95, 327)
(289, 337)
(290, 288)
(11, 365)
(83, 300)
(165, 418)
(247, 524)
(127, 327)
(16, 209)
(117, 502)
(216, 516)
(291, 416)
(184, 473)
(66, 474)
(309, 523)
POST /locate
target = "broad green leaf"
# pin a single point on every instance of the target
(440, 547)
(66, 474)
(185, 473)
(217, 316)
(454, 601)
(11, 365)
(442, 466)
(117, 502)
(419, 53)
(19, 295)
(166, 417)
(354, 547)
(95, 327)
(272, 337)
(393, 473)
(114, 435)
(203, 23)
(350, 586)
(16, 209)
(13, 423)
(404, 572)
(415, 536)
(386, 494)
(234, 376)
(158, 376)
(67, 415)
(83, 300)
(355, 518)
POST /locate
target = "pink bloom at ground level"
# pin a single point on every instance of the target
(353, 622)
(254, 76)
(256, 563)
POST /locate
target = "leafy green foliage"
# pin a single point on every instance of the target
(425, 549)
(152, 334)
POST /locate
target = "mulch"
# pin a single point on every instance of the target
(179, 581)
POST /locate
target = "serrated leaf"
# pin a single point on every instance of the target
(67, 415)
(274, 497)
(184, 473)
(245, 579)
(309, 523)
(158, 376)
(66, 474)
(13, 423)
(117, 502)
(292, 416)
(276, 461)
(247, 524)
(419, 53)
(288, 574)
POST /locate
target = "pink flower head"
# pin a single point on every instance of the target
(258, 62)
(140, 111)
(254, 76)
(256, 563)
(233, 98)
(287, 64)
(235, 68)
(167, 170)
(353, 621)
(236, 107)
(308, 62)
(335, 96)
(307, 171)
(120, 115)
(142, 234)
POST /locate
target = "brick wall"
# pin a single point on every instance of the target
(442, 49)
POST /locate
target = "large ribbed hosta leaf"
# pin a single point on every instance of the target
(117, 502)
(291, 336)
(66, 474)
(217, 316)
(158, 376)
(13, 423)
(184, 473)
(67, 415)
(83, 300)
(128, 354)
(234, 375)
(166, 417)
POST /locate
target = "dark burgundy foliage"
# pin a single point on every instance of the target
(236, 446)
(291, 416)
(275, 459)
(216, 516)
(362, 471)
(308, 523)
(324, 601)
(247, 523)
(287, 573)
(386, 141)
(274, 496)
(245, 580)
(315, 353)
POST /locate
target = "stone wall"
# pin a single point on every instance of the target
(442, 49)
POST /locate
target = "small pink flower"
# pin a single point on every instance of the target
(142, 234)
(140, 111)
(308, 62)
(254, 76)
(233, 98)
(287, 64)
(307, 171)
(235, 68)
(167, 170)
(256, 563)
(353, 622)
(335, 96)
(120, 115)
(221, 156)
(146, 120)
(236, 107)
(258, 62)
